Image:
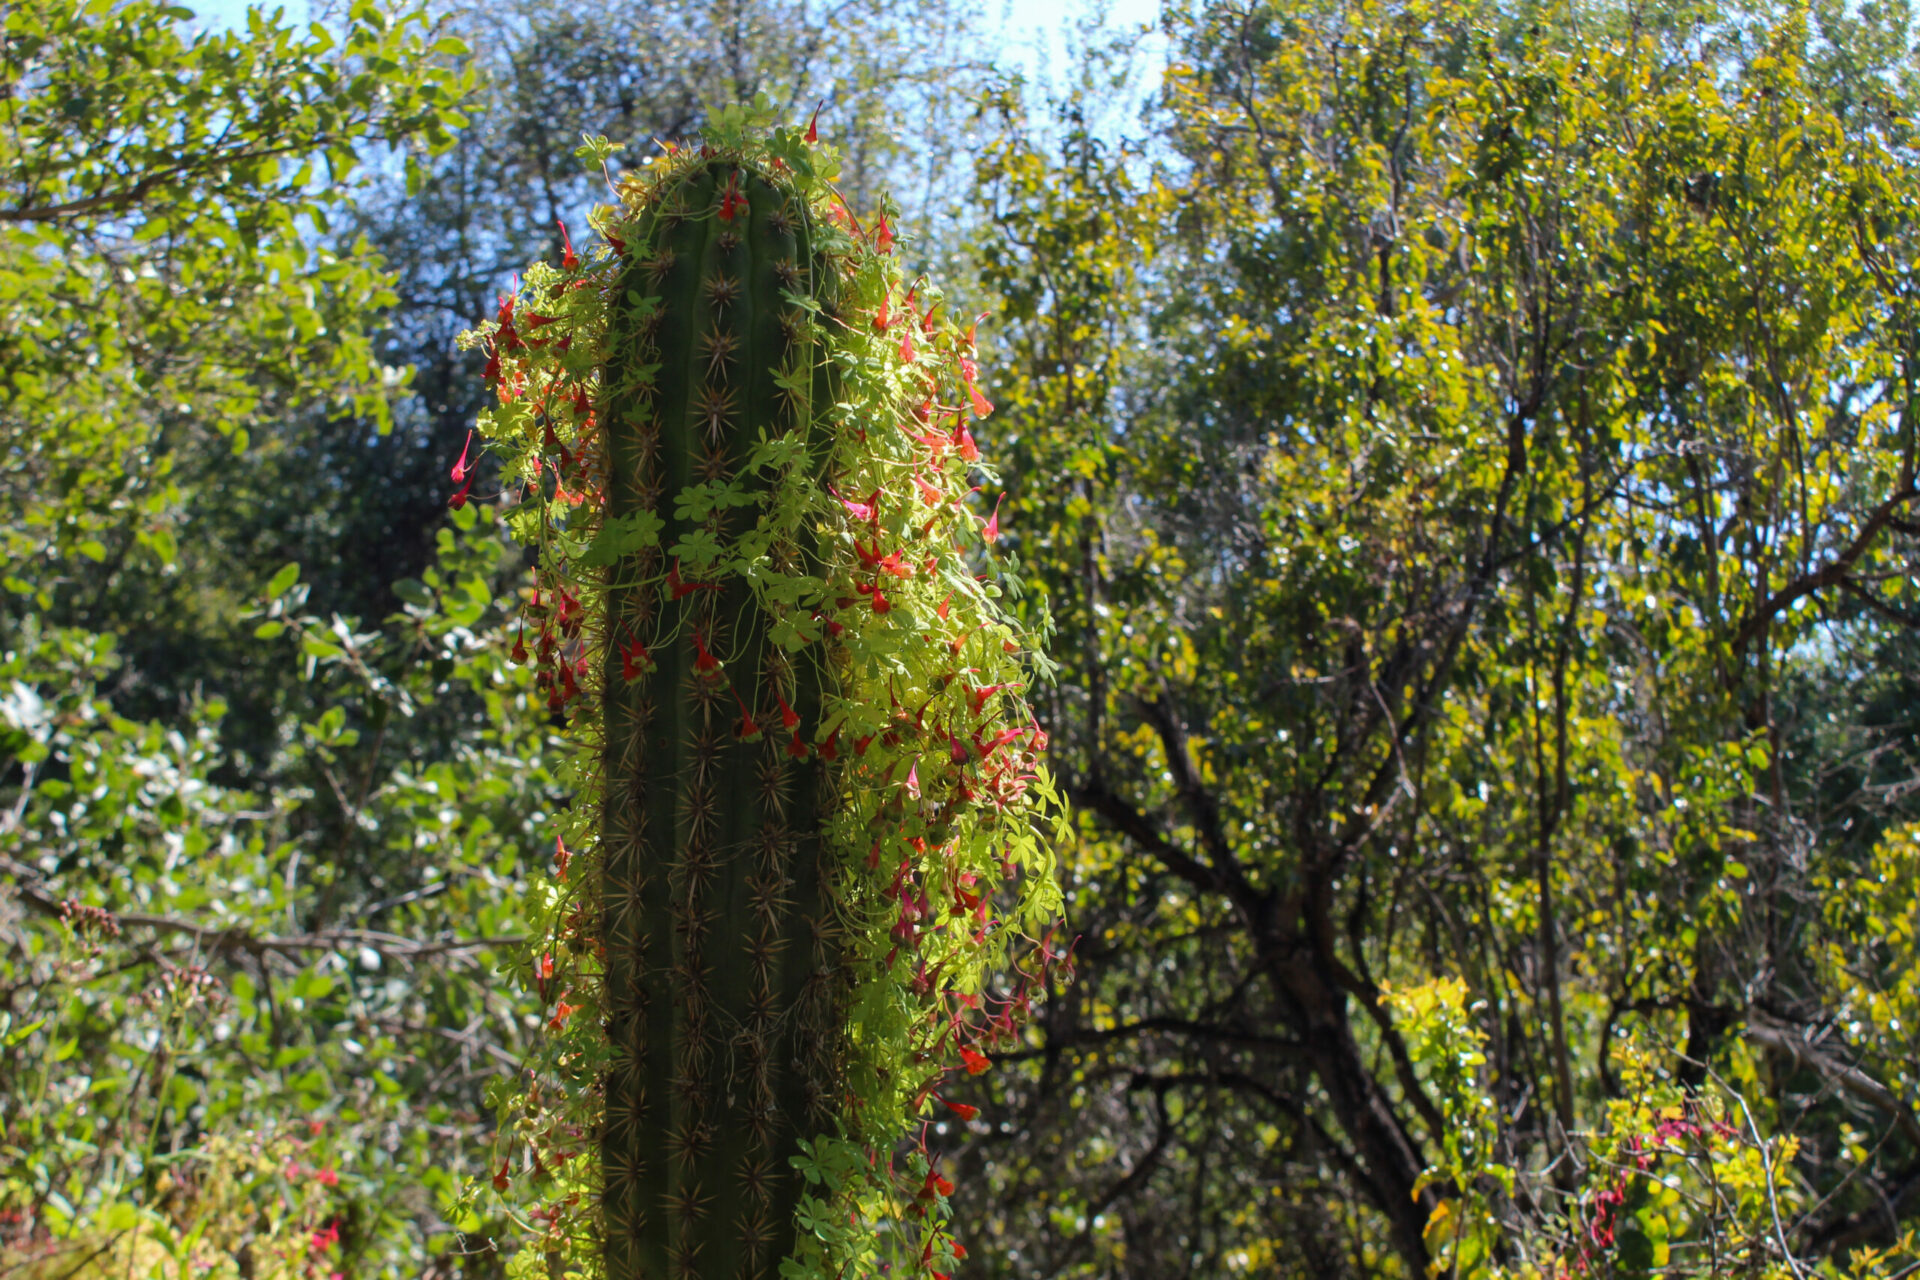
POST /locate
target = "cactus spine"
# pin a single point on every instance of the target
(808, 790)
(719, 943)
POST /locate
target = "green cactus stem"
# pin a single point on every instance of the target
(720, 962)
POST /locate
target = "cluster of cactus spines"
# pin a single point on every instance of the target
(718, 935)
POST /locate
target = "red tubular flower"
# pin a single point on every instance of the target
(813, 125)
(830, 749)
(975, 1061)
(992, 532)
(973, 344)
(964, 1110)
(868, 510)
(703, 662)
(981, 405)
(568, 614)
(679, 590)
(883, 236)
(567, 259)
(789, 718)
(731, 201)
(748, 730)
(461, 469)
(500, 1179)
(796, 748)
(561, 856)
(519, 654)
(635, 661)
(906, 347)
(561, 1012)
(979, 697)
(507, 338)
(463, 476)
(963, 443)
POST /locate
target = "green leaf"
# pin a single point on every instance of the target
(160, 540)
(414, 592)
(622, 536)
(283, 580)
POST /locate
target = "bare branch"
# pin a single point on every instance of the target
(236, 939)
(1852, 1079)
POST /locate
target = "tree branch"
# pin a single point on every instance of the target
(1124, 818)
(1171, 1026)
(1833, 573)
(236, 939)
(1853, 1080)
(1203, 807)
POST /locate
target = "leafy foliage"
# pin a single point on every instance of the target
(1522, 401)
(159, 273)
(1464, 448)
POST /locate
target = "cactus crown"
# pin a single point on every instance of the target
(810, 804)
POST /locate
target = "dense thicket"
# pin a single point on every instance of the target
(1481, 531)
(1463, 449)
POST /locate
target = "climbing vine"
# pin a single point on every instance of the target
(854, 524)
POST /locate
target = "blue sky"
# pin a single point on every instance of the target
(1032, 31)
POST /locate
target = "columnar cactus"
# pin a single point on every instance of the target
(742, 443)
(711, 875)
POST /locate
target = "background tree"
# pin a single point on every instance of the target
(1521, 408)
